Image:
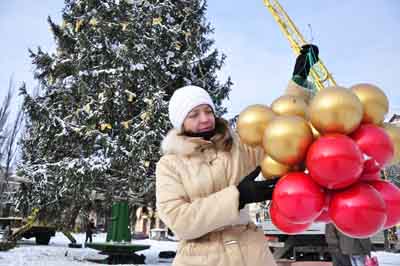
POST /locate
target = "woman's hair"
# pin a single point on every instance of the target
(222, 138)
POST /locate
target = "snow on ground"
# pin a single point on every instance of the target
(57, 253)
(387, 259)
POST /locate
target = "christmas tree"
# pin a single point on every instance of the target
(96, 126)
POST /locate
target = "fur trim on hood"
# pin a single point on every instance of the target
(179, 144)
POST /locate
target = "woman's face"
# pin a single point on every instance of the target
(199, 119)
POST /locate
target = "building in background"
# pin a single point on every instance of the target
(9, 187)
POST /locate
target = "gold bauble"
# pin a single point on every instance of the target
(289, 105)
(252, 122)
(394, 134)
(287, 138)
(374, 101)
(295, 90)
(335, 110)
(272, 169)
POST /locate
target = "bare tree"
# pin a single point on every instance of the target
(9, 134)
(11, 143)
(4, 113)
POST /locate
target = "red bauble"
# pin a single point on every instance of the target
(335, 161)
(370, 176)
(283, 224)
(371, 166)
(375, 142)
(323, 217)
(328, 196)
(359, 211)
(391, 195)
(298, 197)
(372, 170)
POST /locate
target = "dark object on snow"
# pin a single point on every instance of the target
(71, 238)
(167, 254)
(139, 236)
(120, 253)
(121, 259)
(126, 259)
(74, 245)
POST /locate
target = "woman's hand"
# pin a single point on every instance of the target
(255, 191)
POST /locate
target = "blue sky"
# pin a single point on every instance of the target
(358, 40)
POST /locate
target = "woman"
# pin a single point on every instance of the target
(204, 180)
(198, 195)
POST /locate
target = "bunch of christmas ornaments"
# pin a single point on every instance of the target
(329, 154)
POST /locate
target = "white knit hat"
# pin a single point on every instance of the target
(184, 100)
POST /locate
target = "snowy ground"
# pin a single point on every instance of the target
(58, 253)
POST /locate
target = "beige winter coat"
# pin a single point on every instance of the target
(197, 198)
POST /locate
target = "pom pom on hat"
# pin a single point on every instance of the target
(184, 100)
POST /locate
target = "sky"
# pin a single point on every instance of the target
(358, 42)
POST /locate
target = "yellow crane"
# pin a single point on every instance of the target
(319, 73)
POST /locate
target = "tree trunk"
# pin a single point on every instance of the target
(73, 215)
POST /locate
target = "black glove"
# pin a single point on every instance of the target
(255, 191)
(305, 60)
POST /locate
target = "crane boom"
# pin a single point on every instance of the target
(319, 73)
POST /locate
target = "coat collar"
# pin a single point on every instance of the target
(178, 144)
